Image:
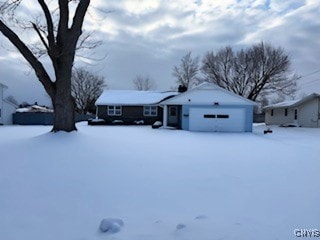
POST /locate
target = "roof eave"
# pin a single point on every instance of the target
(126, 104)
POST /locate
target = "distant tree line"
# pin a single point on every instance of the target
(255, 73)
(143, 83)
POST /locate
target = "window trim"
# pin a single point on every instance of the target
(112, 110)
(147, 111)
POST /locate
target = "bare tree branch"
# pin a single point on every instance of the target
(258, 71)
(143, 83)
(186, 73)
(79, 16)
(50, 26)
(41, 37)
(40, 71)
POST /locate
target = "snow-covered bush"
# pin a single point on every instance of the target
(157, 124)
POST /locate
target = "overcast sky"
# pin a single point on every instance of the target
(149, 37)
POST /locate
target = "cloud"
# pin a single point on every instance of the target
(140, 7)
(150, 36)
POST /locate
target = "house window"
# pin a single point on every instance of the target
(295, 114)
(150, 111)
(271, 112)
(114, 110)
(286, 112)
(222, 116)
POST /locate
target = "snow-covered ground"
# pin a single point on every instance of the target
(163, 184)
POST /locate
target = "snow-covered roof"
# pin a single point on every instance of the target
(282, 104)
(293, 103)
(34, 108)
(132, 97)
(207, 94)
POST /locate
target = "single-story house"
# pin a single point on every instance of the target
(131, 106)
(208, 107)
(304, 112)
(6, 108)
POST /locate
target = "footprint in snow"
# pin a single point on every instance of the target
(200, 217)
(180, 226)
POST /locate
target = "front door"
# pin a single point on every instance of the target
(173, 116)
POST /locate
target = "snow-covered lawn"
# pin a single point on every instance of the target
(163, 184)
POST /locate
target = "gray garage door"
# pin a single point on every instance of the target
(217, 120)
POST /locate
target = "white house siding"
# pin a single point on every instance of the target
(308, 113)
(279, 117)
(8, 110)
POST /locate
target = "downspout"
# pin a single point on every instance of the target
(97, 111)
(165, 116)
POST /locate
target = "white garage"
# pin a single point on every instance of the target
(217, 120)
(208, 108)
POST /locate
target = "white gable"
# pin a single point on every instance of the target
(208, 94)
(132, 97)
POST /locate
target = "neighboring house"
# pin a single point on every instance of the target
(33, 115)
(208, 107)
(40, 115)
(304, 112)
(6, 108)
(131, 106)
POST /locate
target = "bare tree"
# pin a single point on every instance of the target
(186, 73)
(59, 32)
(143, 83)
(86, 88)
(258, 71)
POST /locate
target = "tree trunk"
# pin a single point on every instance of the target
(63, 103)
(64, 113)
